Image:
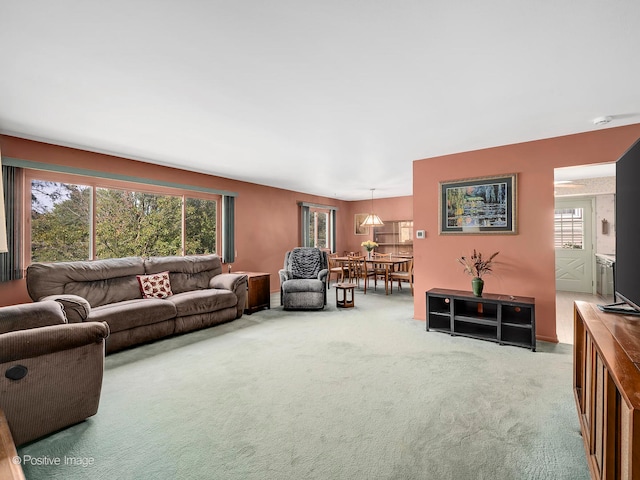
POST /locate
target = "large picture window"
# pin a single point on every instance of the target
(109, 219)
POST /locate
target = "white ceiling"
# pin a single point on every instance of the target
(585, 171)
(329, 97)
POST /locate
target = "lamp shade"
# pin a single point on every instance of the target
(372, 220)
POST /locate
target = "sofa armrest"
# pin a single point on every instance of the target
(237, 283)
(31, 315)
(229, 281)
(55, 338)
(322, 274)
(76, 308)
(284, 276)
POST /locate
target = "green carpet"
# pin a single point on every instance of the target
(363, 393)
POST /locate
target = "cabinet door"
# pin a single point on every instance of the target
(259, 292)
(598, 413)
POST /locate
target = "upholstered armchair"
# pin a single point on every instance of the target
(50, 370)
(303, 280)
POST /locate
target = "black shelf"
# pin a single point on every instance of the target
(443, 330)
(479, 320)
(476, 330)
(503, 319)
(475, 308)
(516, 325)
(517, 335)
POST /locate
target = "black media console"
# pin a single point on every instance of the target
(504, 319)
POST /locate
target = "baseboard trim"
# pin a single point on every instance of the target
(543, 338)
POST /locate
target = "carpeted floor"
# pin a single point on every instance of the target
(363, 393)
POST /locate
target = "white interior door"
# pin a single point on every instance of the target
(574, 245)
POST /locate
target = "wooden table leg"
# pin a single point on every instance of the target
(386, 279)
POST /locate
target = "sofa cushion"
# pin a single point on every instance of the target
(31, 315)
(156, 285)
(100, 282)
(133, 313)
(303, 285)
(202, 301)
(191, 272)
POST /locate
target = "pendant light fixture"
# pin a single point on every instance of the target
(372, 219)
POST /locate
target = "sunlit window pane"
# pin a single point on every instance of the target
(59, 221)
(137, 224)
(319, 229)
(200, 221)
(569, 228)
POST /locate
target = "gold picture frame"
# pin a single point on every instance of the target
(358, 218)
(485, 205)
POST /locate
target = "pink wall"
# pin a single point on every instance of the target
(267, 219)
(526, 263)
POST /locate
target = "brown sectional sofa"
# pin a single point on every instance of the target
(108, 291)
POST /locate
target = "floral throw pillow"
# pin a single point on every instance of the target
(156, 285)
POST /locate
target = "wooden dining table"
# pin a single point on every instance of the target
(387, 263)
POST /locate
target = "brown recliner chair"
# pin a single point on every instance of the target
(50, 371)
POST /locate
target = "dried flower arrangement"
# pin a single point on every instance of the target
(475, 265)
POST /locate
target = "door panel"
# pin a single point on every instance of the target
(574, 245)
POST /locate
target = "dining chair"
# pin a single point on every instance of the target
(358, 270)
(403, 276)
(335, 268)
(380, 269)
(352, 264)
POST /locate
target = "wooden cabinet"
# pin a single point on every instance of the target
(504, 319)
(395, 236)
(606, 385)
(259, 294)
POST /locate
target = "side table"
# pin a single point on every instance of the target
(347, 290)
(259, 294)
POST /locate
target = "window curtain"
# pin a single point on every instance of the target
(305, 220)
(333, 230)
(228, 229)
(11, 262)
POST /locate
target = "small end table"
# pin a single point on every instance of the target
(258, 296)
(347, 290)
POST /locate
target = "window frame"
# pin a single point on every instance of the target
(313, 214)
(31, 174)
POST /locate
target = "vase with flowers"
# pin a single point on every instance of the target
(369, 245)
(477, 267)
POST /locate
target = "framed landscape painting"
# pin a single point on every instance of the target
(358, 219)
(479, 205)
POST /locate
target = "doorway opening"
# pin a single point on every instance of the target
(584, 231)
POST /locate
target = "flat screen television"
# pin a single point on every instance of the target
(627, 265)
